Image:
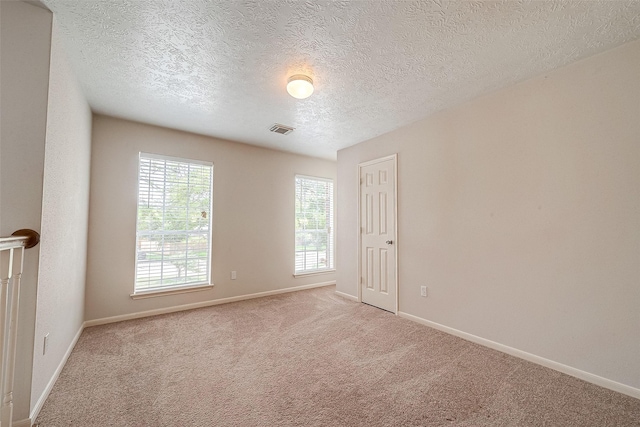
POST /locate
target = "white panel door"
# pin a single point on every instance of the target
(377, 233)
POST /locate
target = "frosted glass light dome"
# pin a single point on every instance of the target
(300, 86)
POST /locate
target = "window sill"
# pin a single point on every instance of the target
(314, 273)
(173, 291)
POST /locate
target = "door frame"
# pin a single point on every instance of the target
(393, 157)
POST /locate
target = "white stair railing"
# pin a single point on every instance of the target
(11, 263)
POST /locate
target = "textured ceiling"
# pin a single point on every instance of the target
(220, 67)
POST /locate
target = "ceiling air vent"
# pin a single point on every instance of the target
(284, 130)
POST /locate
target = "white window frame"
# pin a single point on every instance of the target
(166, 289)
(330, 229)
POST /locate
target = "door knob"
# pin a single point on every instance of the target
(389, 242)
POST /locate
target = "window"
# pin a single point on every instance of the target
(173, 233)
(314, 225)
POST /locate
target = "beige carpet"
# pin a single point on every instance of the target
(310, 358)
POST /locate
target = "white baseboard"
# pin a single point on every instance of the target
(140, 314)
(22, 423)
(52, 381)
(347, 296)
(574, 372)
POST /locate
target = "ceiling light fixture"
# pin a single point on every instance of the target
(300, 86)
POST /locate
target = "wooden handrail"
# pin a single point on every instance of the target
(23, 237)
(12, 242)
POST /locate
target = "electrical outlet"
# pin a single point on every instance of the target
(233, 275)
(423, 291)
(45, 345)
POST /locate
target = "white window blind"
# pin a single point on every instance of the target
(314, 224)
(173, 233)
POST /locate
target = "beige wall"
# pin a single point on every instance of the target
(253, 223)
(25, 38)
(521, 213)
(65, 210)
